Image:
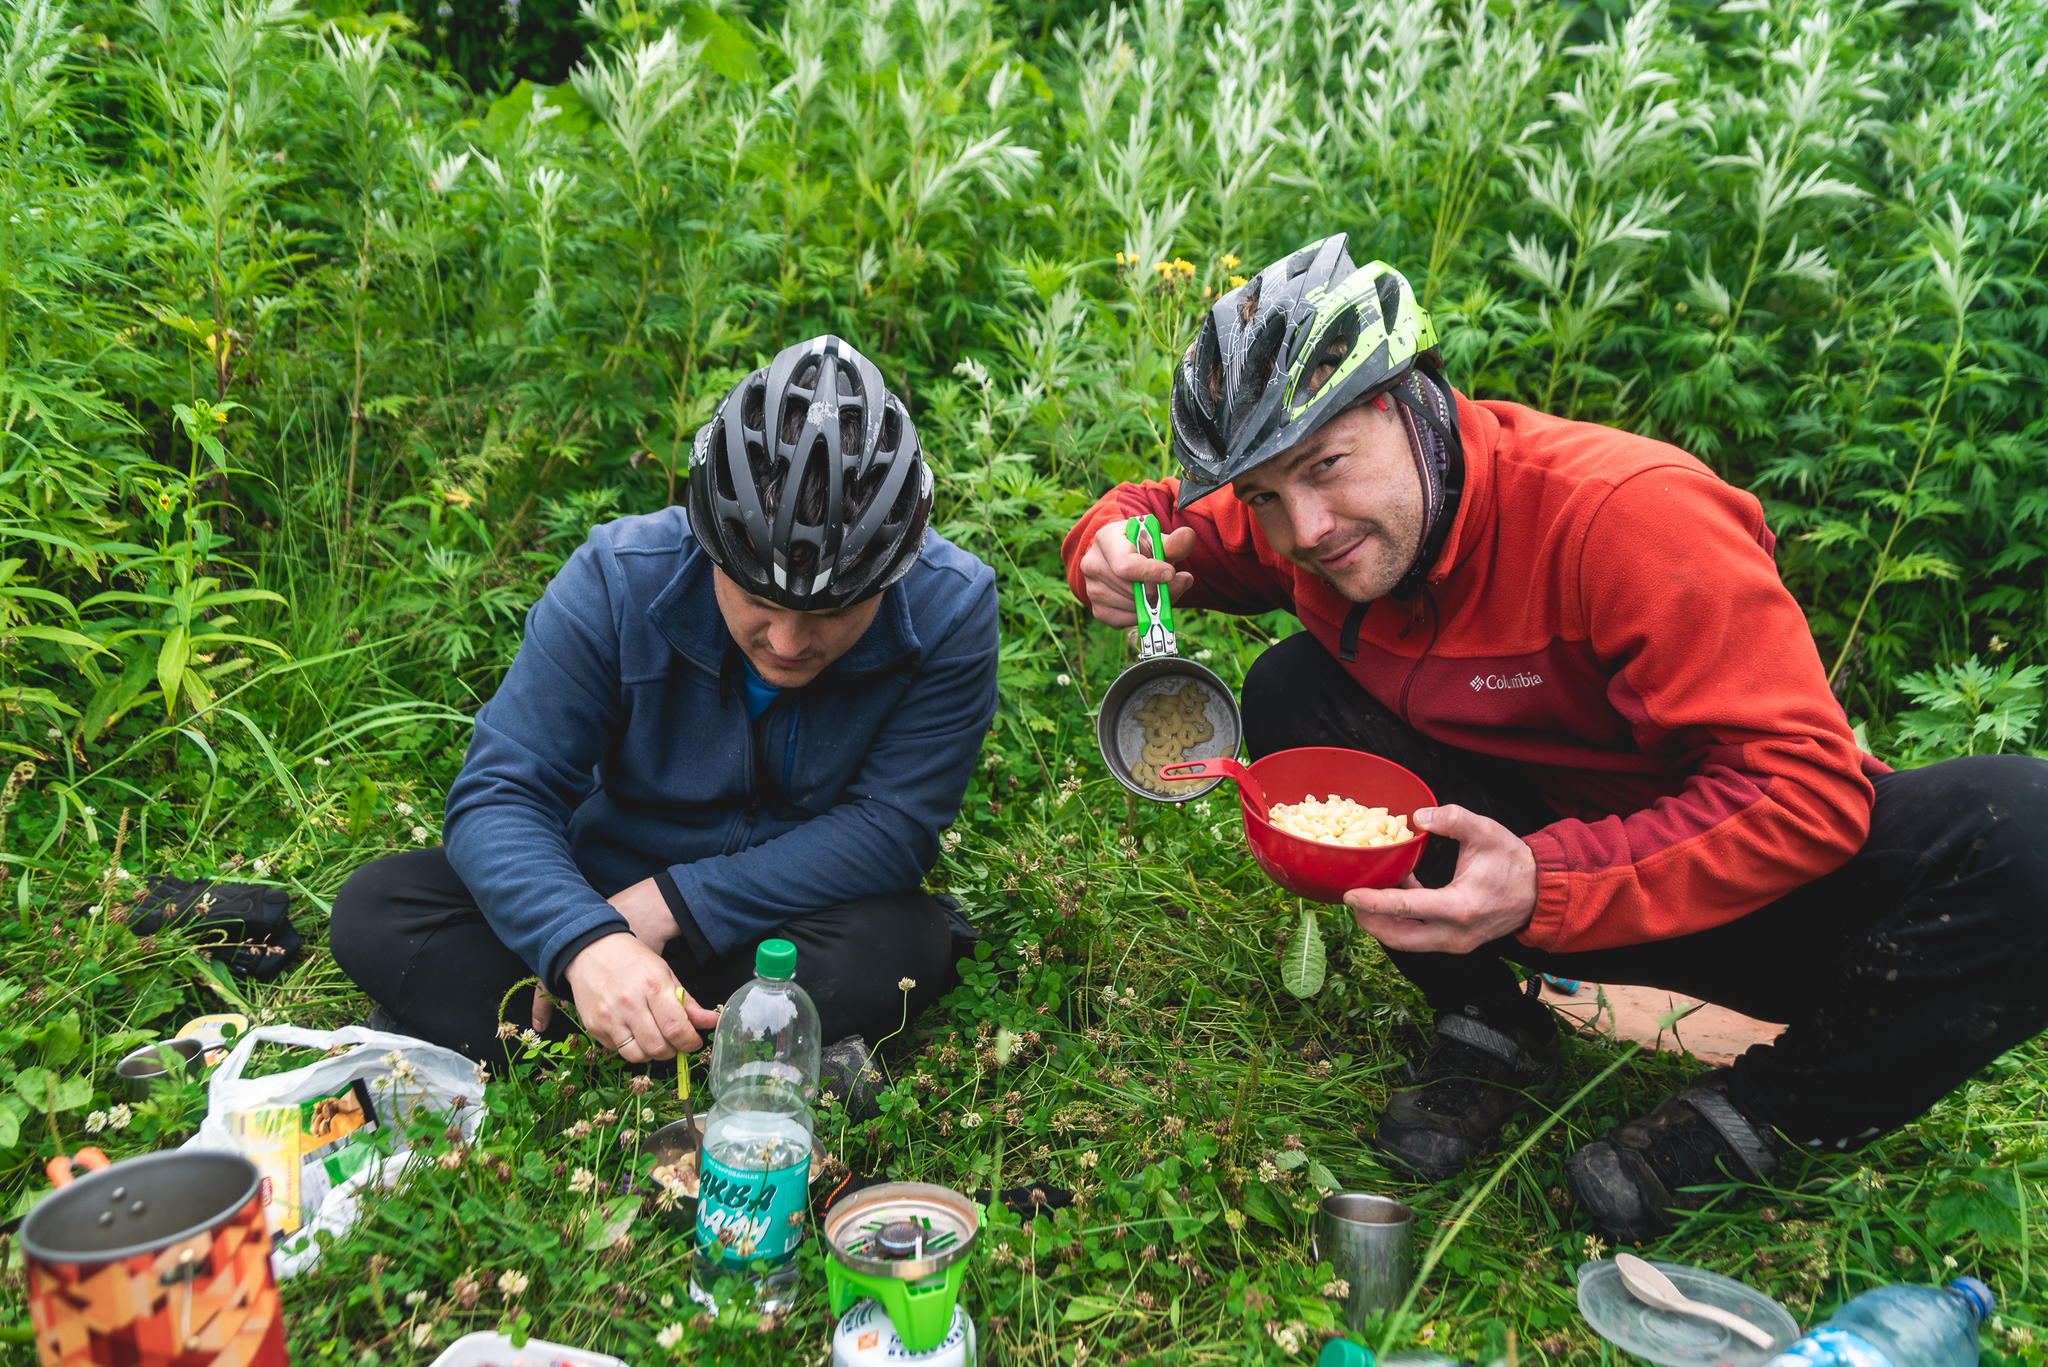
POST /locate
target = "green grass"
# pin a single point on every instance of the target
(1159, 1067)
(286, 305)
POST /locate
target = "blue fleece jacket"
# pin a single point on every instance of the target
(618, 748)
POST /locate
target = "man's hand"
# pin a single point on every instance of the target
(630, 1001)
(1113, 565)
(1492, 894)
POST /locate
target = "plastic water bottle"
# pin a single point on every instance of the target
(1344, 1353)
(754, 1171)
(1898, 1326)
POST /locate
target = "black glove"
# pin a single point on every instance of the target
(256, 921)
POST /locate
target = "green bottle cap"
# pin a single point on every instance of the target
(775, 959)
(1344, 1353)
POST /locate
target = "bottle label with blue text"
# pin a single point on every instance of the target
(1826, 1347)
(757, 1214)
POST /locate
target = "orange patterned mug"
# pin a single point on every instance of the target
(156, 1261)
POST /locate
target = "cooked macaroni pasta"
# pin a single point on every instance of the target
(1340, 821)
(1174, 723)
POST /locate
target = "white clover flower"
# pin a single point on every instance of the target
(90, 811)
(671, 1334)
(582, 1180)
(1064, 680)
(419, 835)
(96, 1122)
(668, 1302)
(971, 1121)
(1090, 1159)
(483, 1073)
(422, 1335)
(93, 910)
(1204, 654)
(512, 1285)
(261, 868)
(119, 1116)
(950, 840)
(404, 809)
(1109, 995)
(628, 1136)
(415, 1299)
(1338, 1289)
(53, 733)
(322, 761)
(530, 1037)
(905, 984)
(646, 1115)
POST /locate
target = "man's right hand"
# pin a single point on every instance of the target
(630, 1001)
(1112, 566)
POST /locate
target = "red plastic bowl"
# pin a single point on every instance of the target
(1310, 868)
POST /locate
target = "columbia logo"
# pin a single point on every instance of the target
(1482, 683)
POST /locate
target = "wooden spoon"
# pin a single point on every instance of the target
(1654, 1289)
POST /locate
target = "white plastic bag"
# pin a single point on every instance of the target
(424, 1077)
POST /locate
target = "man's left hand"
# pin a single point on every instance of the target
(1492, 894)
(646, 911)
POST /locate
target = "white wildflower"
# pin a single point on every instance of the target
(53, 733)
(668, 1302)
(1090, 1159)
(96, 1122)
(530, 1037)
(971, 1121)
(1064, 680)
(671, 1334)
(119, 1116)
(646, 1115)
(1205, 654)
(1337, 1289)
(512, 1285)
(322, 761)
(422, 1335)
(415, 1299)
(260, 867)
(628, 1136)
(93, 910)
(419, 835)
(483, 1073)
(905, 984)
(404, 809)
(1109, 995)
(950, 840)
(582, 1180)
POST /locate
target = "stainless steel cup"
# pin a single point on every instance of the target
(147, 1068)
(1367, 1242)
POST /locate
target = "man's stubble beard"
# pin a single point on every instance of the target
(1385, 571)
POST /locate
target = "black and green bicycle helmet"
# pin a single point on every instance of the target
(1300, 342)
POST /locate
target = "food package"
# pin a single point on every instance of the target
(304, 1149)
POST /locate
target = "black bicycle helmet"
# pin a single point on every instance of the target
(807, 486)
(1285, 352)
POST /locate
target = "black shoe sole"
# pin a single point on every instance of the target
(1613, 1195)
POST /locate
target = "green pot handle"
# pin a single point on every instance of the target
(1155, 623)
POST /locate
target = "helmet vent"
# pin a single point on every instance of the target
(723, 479)
(849, 387)
(1389, 290)
(851, 420)
(794, 411)
(1260, 358)
(754, 408)
(892, 432)
(1248, 307)
(806, 376)
(811, 494)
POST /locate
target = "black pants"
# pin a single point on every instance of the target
(1898, 975)
(408, 933)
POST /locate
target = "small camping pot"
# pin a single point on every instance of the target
(156, 1261)
(1368, 1241)
(1164, 709)
(144, 1070)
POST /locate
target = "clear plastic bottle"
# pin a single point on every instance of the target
(754, 1171)
(1898, 1326)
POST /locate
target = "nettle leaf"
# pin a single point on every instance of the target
(1305, 963)
(1321, 1176)
(1985, 1205)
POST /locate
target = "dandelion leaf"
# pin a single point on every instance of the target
(1305, 964)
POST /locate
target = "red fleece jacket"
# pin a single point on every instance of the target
(1605, 611)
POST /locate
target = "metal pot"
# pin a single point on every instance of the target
(156, 1261)
(1161, 683)
(144, 1070)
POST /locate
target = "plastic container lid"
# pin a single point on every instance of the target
(1977, 1294)
(1682, 1340)
(1344, 1353)
(775, 959)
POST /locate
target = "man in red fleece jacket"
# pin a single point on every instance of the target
(1578, 638)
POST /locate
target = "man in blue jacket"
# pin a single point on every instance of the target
(750, 721)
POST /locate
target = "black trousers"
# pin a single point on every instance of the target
(408, 933)
(1898, 975)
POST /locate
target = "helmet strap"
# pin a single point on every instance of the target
(1440, 462)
